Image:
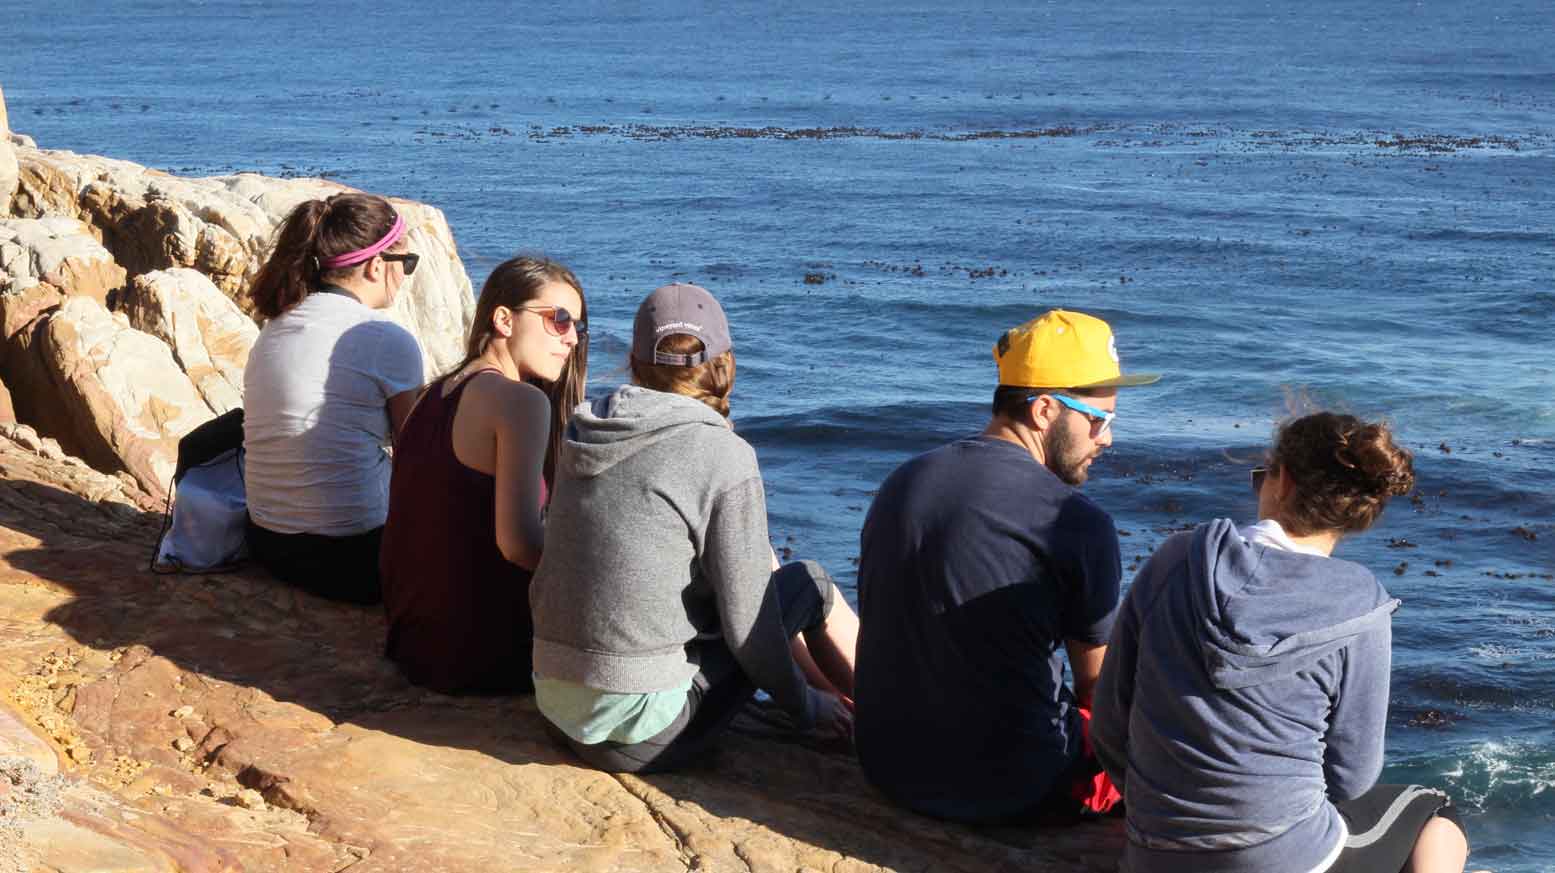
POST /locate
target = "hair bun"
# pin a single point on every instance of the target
(1345, 470)
(1385, 469)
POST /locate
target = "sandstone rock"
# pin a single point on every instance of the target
(38, 480)
(10, 173)
(8, 167)
(109, 393)
(20, 307)
(19, 313)
(223, 226)
(351, 765)
(19, 743)
(60, 251)
(209, 336)
(310, 753)
(42, 190)
(51, 822)
(7, 411)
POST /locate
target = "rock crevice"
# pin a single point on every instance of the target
(123, 298)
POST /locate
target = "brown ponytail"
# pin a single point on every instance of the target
(1344, 470)
(316, 230)
(710, 382)
(513, 283)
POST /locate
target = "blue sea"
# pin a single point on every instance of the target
(1275, 204)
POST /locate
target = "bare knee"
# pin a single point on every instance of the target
(1440, 848)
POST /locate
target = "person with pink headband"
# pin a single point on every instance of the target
(328, 384)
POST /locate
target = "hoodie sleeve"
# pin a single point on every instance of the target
(1352, 754)
(1113, 703)
(1114, 695)
(736, 561)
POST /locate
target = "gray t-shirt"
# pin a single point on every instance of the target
(316, 420)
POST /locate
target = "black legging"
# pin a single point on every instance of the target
(339, 568)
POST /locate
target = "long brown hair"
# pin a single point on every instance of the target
(709, 382)
(513, 283)
(315, 231)
(1344, 469)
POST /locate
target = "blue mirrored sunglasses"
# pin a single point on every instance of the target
(1258, 475)
(1101, 419)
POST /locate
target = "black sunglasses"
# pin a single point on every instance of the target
(411, 259)
(1258, 474)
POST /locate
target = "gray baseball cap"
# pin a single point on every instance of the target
(674, 309)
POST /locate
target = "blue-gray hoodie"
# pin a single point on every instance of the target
(1245, 688)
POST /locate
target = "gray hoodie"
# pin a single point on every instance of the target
(1245, 688)
(656, 537)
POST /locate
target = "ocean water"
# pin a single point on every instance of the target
(1347, 204)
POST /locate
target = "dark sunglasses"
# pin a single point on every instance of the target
(1258, 474)
(410, 259)
(558, 320)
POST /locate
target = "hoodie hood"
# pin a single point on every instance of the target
(626, 421)
(1267, 613)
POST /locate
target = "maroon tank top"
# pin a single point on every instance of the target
(458, 610)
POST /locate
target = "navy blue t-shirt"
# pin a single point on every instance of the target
(977, 564)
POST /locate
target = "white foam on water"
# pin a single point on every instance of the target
(1494, 774)
(1502, 653)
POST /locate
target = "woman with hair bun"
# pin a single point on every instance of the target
(471, 475)
(1243, 699)
(327, 384)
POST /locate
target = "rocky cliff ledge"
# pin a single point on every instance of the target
(225, 722)
(123, 297)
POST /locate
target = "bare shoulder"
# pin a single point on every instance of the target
(505, 401)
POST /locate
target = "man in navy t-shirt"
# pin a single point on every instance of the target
(979, 560)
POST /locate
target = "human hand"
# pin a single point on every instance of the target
(833, 714)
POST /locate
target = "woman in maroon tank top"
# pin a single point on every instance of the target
(471, 467)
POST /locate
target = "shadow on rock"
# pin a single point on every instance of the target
(235, 676)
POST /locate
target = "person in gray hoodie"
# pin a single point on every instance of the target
(658, 605)
(1243, 698)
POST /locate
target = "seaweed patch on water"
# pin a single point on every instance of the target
(1446, 143)
(1158, 135)
(661, 133)
(1434, 718)
(1514, 575)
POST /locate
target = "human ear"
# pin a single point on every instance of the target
(1039, 413)
(502, 321)
(1283, 484)
(373, 269)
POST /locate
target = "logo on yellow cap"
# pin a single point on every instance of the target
(1062, 349)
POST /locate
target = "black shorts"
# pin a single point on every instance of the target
(1384, 824)
(718, 690)
(339, 568)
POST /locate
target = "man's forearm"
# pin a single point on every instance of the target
(1085, 663)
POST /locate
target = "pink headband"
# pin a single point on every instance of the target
(367, 254)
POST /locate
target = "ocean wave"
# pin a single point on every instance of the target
(1524, 313)
(1460, 234)
(1475, 687)
(893, 427)
(1503, 654)
(1487, 776)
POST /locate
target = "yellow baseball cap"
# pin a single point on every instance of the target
(1061, 349)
